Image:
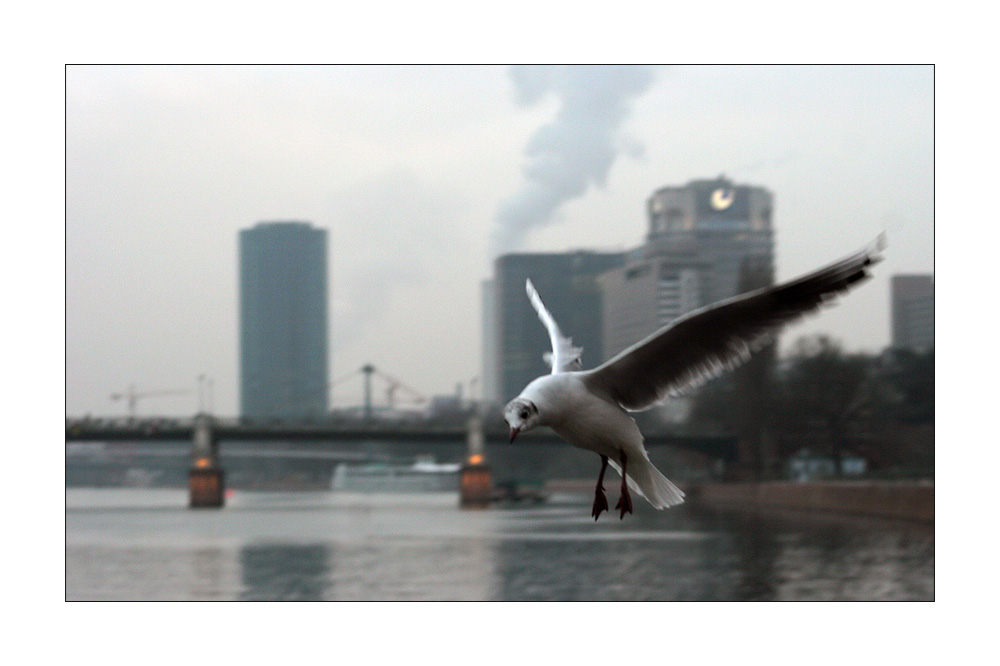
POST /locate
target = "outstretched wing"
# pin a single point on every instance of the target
(705, 343)
(565, 356)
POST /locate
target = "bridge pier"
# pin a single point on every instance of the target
(475, 482)
(206, 479)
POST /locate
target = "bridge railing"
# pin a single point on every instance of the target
(158, 428)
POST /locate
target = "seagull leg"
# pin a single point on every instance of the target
(625, 501)
(600, 499)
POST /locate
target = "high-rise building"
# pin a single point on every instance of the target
(283, 321)
(488, 385)
(652, 289)
(567, 283)
(722, 223)
(707, 241)
(913, 312)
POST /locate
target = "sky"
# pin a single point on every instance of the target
(422, 175)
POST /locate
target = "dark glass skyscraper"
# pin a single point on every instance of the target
(567, 283)
(283, 321)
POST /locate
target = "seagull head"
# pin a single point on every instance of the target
(520, 415)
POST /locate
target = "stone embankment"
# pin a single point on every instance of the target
(896, 500)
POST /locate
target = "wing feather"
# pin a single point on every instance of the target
(707, 342)
(565, 356)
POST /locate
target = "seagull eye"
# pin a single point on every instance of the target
(524, 414)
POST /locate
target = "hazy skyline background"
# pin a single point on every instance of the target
(422, 174)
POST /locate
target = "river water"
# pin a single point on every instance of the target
(145, 544)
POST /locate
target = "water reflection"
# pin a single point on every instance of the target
(210, 569)
(155, 573)
(791, 557)
(406, 569)
(696, 554)
(537, 570)
(328, 546)
(288, 572)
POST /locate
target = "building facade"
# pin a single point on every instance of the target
(652, 289)
(489, 386)
(720, 222)
(707, 241)
(283, 321)
(913, 312)
(568, 285)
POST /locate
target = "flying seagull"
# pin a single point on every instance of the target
(589, 408)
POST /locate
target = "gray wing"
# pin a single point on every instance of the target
(565, 356)
(705, 343)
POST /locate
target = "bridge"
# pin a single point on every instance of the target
(206, 433)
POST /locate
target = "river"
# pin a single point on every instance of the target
(145, 544)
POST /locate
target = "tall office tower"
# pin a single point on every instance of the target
(913, 312)
(652, 289)
(488, 386)
(704, 238)
(283, 321)
(568, 285)
(723, 223)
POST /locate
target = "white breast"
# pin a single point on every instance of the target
(580, 417)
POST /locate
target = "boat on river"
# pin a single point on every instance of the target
(424, 474)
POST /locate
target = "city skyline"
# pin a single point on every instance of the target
(164, 164)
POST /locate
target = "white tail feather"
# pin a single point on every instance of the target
(645, 479)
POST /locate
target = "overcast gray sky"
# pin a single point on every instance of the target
(415, 172)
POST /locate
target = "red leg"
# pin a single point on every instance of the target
(600, 499)
(625, 501)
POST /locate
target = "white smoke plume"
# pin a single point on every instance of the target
(576, 149)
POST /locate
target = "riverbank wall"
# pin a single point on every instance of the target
(912, 501)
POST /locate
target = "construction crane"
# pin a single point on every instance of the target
(134, 396)
(393, 386)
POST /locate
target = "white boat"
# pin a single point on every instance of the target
(423, 475)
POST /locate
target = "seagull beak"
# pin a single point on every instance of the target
(513, 433)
